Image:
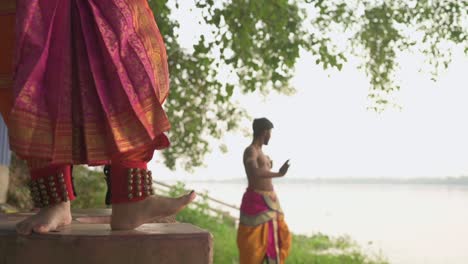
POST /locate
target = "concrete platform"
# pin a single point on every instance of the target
(89, 240)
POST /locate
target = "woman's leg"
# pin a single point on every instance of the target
(51, 190)
(133, 202)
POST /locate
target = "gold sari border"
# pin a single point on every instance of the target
(259, 219)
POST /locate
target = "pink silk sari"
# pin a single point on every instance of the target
(90, 80)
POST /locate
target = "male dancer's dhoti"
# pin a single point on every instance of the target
(263, 236)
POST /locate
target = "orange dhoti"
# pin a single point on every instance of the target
(263, 236)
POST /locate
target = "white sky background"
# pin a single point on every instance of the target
(326, 130)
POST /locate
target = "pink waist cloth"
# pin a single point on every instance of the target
(253, 203)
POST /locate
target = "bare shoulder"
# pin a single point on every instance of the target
(250, 153)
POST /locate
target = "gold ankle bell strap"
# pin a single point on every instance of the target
(139, 183)
(52, 189)
(130, 181)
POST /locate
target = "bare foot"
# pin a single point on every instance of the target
(47, 219)
(126, 216)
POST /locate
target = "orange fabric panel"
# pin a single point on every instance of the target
(285, 237)
(252, 242)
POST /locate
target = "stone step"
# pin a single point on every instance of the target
(89, 240)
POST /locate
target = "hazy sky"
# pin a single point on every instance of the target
(326, 130)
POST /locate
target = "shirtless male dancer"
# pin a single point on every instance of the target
(263, 236)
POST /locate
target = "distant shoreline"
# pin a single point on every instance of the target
(397, 181)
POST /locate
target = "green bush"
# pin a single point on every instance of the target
(90, 186)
